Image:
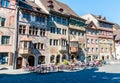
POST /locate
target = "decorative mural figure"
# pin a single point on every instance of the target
(11, 21)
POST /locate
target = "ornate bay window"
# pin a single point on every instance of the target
(25, 45)
(74, 46)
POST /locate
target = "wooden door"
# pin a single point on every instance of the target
(19, 63)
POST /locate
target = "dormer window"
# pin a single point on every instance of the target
(61, 10)
(38, 9)
(50, 1)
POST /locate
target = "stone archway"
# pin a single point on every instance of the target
(72, 56)
(103, 58)
(58, 59)
(64, 57)
(52, 57)
(41, 60)
(31, 60)
(19, 63)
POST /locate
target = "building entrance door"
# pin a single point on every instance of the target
(19, 63)
(31, 60)
(58, 59)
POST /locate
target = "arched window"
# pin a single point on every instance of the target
(103, 57)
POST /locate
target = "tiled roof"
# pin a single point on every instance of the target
(117, 26)
(29, 5)
(91, 24)
(102, 20)
(57, 5)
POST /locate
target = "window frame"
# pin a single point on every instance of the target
(6, 3)
(5, 41)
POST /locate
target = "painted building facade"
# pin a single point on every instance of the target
(117, 47)
(57, 31)
(116, 37)
(92, 41)
(48, 31)
(105, 37)
(7, 31)
(77, 38)
(62, 23)
(32, 35)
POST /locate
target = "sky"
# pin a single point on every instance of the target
(108, 8)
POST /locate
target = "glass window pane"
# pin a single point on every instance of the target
(7, 3)
(3, 3)
(3, 58)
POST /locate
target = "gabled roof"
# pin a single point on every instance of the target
(117, 26)
(101, 19)
(89, 23)
(57, 5)
(32, 6)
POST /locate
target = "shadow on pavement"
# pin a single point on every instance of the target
(4, 68)
(83, 76)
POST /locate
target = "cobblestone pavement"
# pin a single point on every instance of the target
(105, 74)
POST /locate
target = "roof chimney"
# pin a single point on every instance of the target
(99, 16)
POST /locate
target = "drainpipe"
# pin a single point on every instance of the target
(68, 43)
(86, 56)
(16, 35)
